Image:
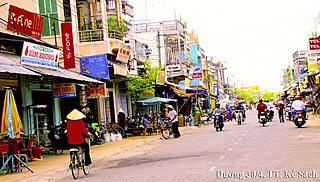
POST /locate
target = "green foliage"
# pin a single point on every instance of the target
(113, 24)
(137, 85)
(269, 95)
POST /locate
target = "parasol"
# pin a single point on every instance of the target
(10, 122)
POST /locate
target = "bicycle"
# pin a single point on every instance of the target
(77, 161)
(166, 129)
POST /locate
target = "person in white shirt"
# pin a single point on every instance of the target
(298, 105)
(269, 108)
(174, 120)
(244, 110)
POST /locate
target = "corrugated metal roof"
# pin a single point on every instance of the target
(10, 64)
(60, 72)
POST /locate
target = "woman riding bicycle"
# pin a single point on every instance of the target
(75, 129)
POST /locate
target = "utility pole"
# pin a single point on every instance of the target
(159, 48)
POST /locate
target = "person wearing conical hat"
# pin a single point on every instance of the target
(122, 118)
(75, 129)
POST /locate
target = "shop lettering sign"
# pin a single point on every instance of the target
(124, 54)
(38, 55)
(95, 66)
(314, 43)
(62, 90)
(68, 47)
(25, 22)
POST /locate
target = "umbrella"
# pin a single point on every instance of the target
(10, 122)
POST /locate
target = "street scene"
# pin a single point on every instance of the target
(158, 90)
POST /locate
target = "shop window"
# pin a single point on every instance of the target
(49, 9)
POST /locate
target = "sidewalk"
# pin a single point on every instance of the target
(55, 163)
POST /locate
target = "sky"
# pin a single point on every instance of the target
(255, 39)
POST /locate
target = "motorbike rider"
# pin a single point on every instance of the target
(219, 111)
(244, 109)
(298, 105)
(269, 108)
(261, 107)
(240, 107)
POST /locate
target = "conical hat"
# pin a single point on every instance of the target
(75, 115)
(120, 110)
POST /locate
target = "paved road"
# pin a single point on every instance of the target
(250, 152)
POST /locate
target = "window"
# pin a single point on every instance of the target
(49, 9)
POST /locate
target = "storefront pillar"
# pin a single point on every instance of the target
(56, 111)
(26, 101)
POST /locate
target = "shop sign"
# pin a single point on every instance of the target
(38, 55)
(123, 54)
(68, 47)
(197, 71)
(24, 22)
(95, 66)
(160, 78)
(120, 70)
(314, 43)
(62, 90)
(96, 91)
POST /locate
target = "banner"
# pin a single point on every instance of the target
(197, 71)
(25, 22)
(62, 90)
(95, 66)
(96, 91)
(38, 55)
(68, 47)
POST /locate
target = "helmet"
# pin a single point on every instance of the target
(260, 100)
(267, 100)
(298, 97)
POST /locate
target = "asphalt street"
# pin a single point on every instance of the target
(248, 152)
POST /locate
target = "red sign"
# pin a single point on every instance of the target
(314, 43)
(95, 91)
(68, 48)
(124, 54)
(25, 22)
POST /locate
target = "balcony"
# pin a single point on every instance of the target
(176, 72)
(115, 35)
(90, 35)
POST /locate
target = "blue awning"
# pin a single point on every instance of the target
(155, 101)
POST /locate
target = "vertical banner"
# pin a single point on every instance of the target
(68, 47)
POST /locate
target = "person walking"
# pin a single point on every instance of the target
(280, 106)
(174, 120)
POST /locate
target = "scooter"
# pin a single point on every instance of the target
(288, 114)
(239, 116)
(58, 138)
(218, 121)
(299, 119)
(263, 119)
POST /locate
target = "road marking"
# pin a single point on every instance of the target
(212, 169)
(247, 131)
(221, 157)
(240, 138)
(229, 149)
(243, 134)
(236, 143)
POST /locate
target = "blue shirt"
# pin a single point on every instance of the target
(146, 122)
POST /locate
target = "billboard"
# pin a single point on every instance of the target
(95, 66)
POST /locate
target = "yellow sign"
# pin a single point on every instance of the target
(187, 82)
(160, 78)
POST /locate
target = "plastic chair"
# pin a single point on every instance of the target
(28, 149)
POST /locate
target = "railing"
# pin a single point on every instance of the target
(115, 35)
(91, 35)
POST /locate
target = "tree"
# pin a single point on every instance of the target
(115, 25)
(138, 85)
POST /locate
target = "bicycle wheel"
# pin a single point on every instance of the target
(74, 166)
(120, 130)
(166, 132)
(86, 169)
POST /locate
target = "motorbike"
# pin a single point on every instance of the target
(218, 121)
(270, 115)
(58, 138)
(299, 119)
(263, 118)
(97, 133)
(239, 116)
(288, 114)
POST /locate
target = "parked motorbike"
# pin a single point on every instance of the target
(96, 137)
(288, 114)
(218, 121)
(263, 118)
(58, 138)
(299, 119)
(239, 116)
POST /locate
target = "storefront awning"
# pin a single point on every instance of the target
(180, 92)
(9, 63)
(63, 73)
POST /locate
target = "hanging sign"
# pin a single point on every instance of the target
(95, 66)
(39, 55)
(96, 91)
(24, 22)
(123, 54)
(68, 47)
(62, 90)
